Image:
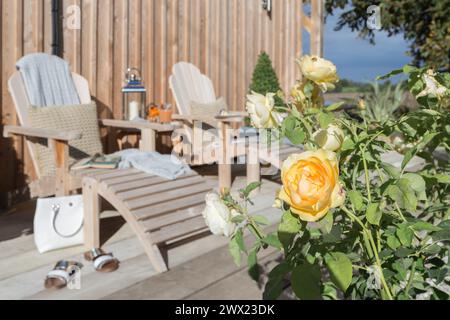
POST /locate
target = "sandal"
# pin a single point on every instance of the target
(62, 274)
(103, 262)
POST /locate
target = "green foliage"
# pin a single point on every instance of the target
(390, 239)
(382, 102)
(423, 23)
(264, 79)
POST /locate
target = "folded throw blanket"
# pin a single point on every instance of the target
(165, 166)
(48, 80)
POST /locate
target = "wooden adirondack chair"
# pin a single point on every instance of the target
(65, 181)
(189, 85)
(158, 210)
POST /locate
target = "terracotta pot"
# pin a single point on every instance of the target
(165, 116)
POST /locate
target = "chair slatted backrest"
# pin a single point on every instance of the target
(189, 84)
(19, 96)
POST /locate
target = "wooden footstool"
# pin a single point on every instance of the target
(159, 211)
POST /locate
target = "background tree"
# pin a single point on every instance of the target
(425, 24)
(264, 79)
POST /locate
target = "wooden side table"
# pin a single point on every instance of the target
(148, 130)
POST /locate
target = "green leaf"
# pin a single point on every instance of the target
(348, 144)
(325, 119)
(395, 194)
(340, 268)
(422, 144)
(408, 69)
(390, 74)
(287, 229)
(238, 219)
(441, 235)
(296, 136)
(306, 282)
(403, 252)
(261, 220)
(326, 224)
(417, 183)
(433, 249)
(252, 262)
(239, 236)
(374, 214)
(272, 240)
(425, 226)
(274, 286)
(409, 196)
(273, 289)
(393, 242)
(235, 252)
(405, 234)
(444, 224)
(356, 199)
(334, 106)
(392, 171)
(251, 187)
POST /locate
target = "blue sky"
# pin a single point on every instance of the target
(357, 59)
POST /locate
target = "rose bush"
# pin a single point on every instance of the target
(353, 226)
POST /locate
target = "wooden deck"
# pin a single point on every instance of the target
(201, 269)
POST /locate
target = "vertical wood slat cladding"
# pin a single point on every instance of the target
(222, 37)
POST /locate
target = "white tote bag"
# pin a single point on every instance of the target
(58, 223)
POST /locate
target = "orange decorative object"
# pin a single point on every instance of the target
(153, 113)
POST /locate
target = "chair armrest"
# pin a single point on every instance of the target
(159, 127)
(53, 134)
(180, 117)
(232, 117)
(229, 117)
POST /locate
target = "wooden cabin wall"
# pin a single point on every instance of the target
(222, 37)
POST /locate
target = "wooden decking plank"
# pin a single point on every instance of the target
(177, 230)
(31, 282)
(174, 217)
(181, 203)
(124, 179)
(196, 275)
(169, 196)
(151, 180)
(163, 186)
(115, 173)
(88, 172)
(30, 258)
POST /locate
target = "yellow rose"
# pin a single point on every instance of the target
(311, 184)
(318, 70)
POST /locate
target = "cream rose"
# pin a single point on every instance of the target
(311, 184)
(218, 216)
(320, 71)
(261, 110)
(432, 86)
(330, 139)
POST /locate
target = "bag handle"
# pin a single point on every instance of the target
(55, 209)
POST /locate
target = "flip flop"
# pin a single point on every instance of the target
(62, 274)
(103, 262)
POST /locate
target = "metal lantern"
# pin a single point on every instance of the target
(133, 85)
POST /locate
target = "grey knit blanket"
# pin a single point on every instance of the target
(48, 80)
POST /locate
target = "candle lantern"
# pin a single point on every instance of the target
(134, 86)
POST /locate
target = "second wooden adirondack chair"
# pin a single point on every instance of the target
(197, 104)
